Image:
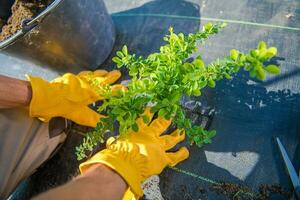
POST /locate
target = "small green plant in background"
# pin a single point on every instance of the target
(162, 78)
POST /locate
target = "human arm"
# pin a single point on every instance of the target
(14, 92)
(98, 182)
(67, 96)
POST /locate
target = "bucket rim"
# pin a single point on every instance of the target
(28, 26)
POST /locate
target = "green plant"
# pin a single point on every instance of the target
(162, 78)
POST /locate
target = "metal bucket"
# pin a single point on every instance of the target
(69, 35)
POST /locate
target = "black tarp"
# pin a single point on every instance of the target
(248, 113)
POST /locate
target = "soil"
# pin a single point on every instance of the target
(238, 192)
(231, 190)
(266, 191)
(21, 10)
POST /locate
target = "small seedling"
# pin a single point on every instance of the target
(163, 78)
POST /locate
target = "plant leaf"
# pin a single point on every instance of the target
(125, 50)
(211, 83)
(273, 69)
(234, 54)
(208, 26)
(146, 119)
(262, 45)
(261, 75)
(135, 127)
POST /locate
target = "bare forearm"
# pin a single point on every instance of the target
(99, 182)
(14, 92)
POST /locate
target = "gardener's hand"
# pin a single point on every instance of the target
(68, 96)
(140, 155)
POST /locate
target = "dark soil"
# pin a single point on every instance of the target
(232, 190)
(238, 192)
(21, 10)
(266, 191)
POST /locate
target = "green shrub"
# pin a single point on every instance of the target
(162, 78)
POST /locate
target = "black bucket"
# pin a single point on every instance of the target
(68, 35)
(5, 6)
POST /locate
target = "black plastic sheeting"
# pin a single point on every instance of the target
(248, 113)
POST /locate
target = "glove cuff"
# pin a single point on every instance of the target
(126, 165)
(39, 88)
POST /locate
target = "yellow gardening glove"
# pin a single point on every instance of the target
(139, 155)
(68, 96)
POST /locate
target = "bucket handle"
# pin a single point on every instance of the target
(33, 22)
(29, 24)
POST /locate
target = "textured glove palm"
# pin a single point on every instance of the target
(137, 156)
(68, 96)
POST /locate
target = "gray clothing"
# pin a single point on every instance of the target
(25, 143)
